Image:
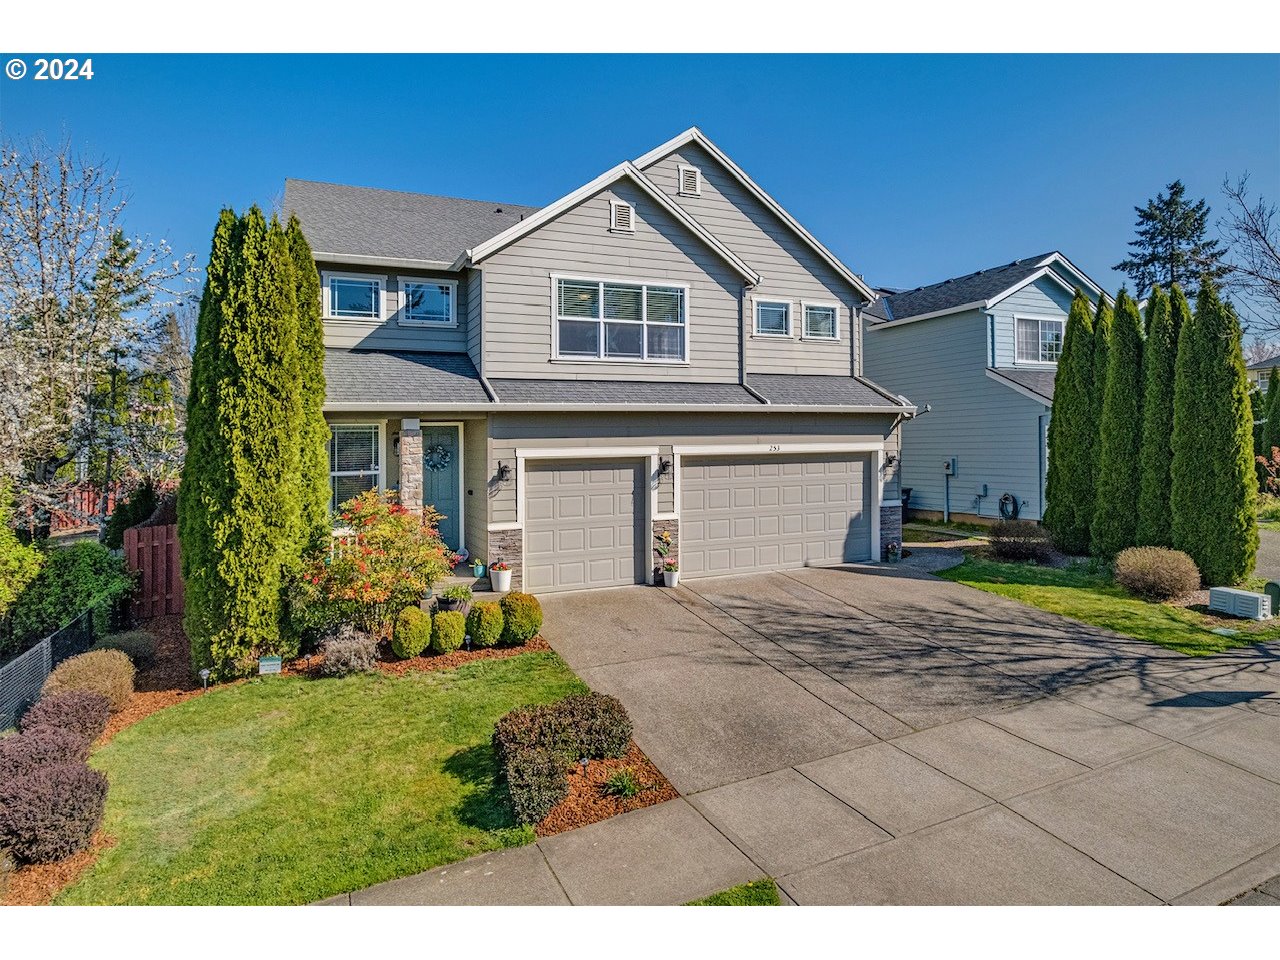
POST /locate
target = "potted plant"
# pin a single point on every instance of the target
(892, 551)
(500, 573)
(455, 598)
(670, 573)
(477, 568)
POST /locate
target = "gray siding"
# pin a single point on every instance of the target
(390, 333)
(475, 330)
(475, 494)
(518, 292)
(992, 431)
(789, 267)
(1042, 298)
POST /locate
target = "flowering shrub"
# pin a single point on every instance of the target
(382, 560)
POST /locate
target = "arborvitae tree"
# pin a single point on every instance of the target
(1102, 321)
(1069, 485)
(1271, 415)
(1214, 488)
(249, 474)
(1158, 357)
(314, 432)
(1115, 521)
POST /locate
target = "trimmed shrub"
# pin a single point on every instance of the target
(412, 633)
(537, 779)
(1020, 540)
(40, 747)
(597, 724)
(72, 578)
(1157, 573)
(348, 650)
(51, 812)
(107, 672)
(83, 712)
(485, 623)
(522, 618)
(448, 630)
(138, 645)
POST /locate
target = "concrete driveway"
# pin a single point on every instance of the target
(869, 735)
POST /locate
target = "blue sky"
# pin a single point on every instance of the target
(910, 168)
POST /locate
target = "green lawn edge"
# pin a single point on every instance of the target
(757, 893)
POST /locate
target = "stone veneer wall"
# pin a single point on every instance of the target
(411, 466)
(660, 527)
(508, 545)
(890, 526)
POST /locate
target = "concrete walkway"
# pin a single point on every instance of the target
(875, 735)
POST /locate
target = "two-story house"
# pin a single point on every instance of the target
(662, 350)
(982, 351)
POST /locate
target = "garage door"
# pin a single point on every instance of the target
(581, 525)
(747, 514)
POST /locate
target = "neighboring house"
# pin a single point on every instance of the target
(1260, 373)
(664, 349)
(982, 351)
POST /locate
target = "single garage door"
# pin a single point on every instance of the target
(582, 522)
(747, 514)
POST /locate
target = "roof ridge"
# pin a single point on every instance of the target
(411, 193)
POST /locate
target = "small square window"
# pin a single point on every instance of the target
(773, 319)
(358, 298)
(820, 321)
(428, 301)
(1038, 341)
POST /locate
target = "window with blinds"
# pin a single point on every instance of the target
(1038, 340)
(354, 461)
(773, 319)
(603, 320)
(622, 216)
(690, 179)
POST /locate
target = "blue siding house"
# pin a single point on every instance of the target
(981, 350)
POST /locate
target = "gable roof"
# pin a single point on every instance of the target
(694, 135)
(623, 171)
(980, 290)
(1265, 364)
(366, 225)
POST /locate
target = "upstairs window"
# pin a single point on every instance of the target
(354, 461)
(429, 302)
(1038, 340)
(773, 318)
(622, 216)
(353, 297)
(608, 320)
(690, 181)
(821, 321)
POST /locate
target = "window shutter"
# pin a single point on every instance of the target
(622, 216)
(690, 181)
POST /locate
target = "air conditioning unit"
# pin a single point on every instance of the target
(1240, 603)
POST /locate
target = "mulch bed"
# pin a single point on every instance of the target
(388, 662)
(587, 801)
(165, 682)
(36, 885)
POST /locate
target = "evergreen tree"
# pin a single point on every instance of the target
(1114, 519)
(1102, 322)
(1172, 244)
(314, 432)
(247, 470)
(1214, 488)
(1069, 484)
(1271, 416)
(1159, 356)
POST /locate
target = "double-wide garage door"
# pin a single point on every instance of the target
(749, 514)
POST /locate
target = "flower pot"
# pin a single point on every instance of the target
(450, 603)
(671, 578)
(501, 580)
(477, 570)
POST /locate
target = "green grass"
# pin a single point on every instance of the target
(1094, 598)
(1269, 512)
(285, 790)
(757, 893)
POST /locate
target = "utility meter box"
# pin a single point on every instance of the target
(949, 466)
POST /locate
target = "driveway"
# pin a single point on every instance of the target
(1268, 553)
(874, 735)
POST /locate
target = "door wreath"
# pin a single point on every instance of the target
(436, 458)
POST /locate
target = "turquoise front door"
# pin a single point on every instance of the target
(442, 479)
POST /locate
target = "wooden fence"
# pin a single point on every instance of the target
(153, 552)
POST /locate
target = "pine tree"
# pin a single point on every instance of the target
(1172, 244)
(1114, 519)
(1214, 488)
(1159, 355)
(314, 432)
(1069, 484)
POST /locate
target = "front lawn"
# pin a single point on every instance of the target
(286, 790)
(1095, 599)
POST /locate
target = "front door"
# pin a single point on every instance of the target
(442, 479)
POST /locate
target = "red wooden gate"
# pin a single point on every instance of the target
(153, 552)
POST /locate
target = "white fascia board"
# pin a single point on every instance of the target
(1097, 290)
(1019, 388)
(352, 259)
(623, 170)
(694, 135)
(405, 406)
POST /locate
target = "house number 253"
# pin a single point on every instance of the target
(775, 447)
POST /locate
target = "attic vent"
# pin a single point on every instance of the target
(622, 216)
(690, 181)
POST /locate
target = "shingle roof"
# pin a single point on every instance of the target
(1037, 381)
(955, 292)
(800, 389)
(361, 221)
(618, 392)
(360, 376)
(1266, 363)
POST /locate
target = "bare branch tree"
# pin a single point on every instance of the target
(1252, 232)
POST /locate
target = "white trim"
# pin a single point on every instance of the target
(666, 516)
(757, 302)
(804, 320)
(1018, 388)
(877, 468)
(382, 406)
(1038, 318)
(459, 426)
(650, 512)
(615, 206)
(570, 200)
(326, 307)
(644, 324)
(681, 170)
(508, 525)
(584, 453)
(380, 447)
(361, 260)
(403, 282)
(694, 135)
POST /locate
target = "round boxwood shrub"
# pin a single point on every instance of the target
(411, 634)
(83, 712)
(448, 629)
(1157, 573)
(485, 623)
(51, 812)
(1020, 540)
(38, 747)
(108, 672)
(138, 645)
(347, 650)
(522, 615)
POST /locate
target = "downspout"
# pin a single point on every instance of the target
(742, 346)
(488, 387)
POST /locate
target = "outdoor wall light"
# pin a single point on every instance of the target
(890, 459)
(504, 472)
(395, 443)
(664, 466)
